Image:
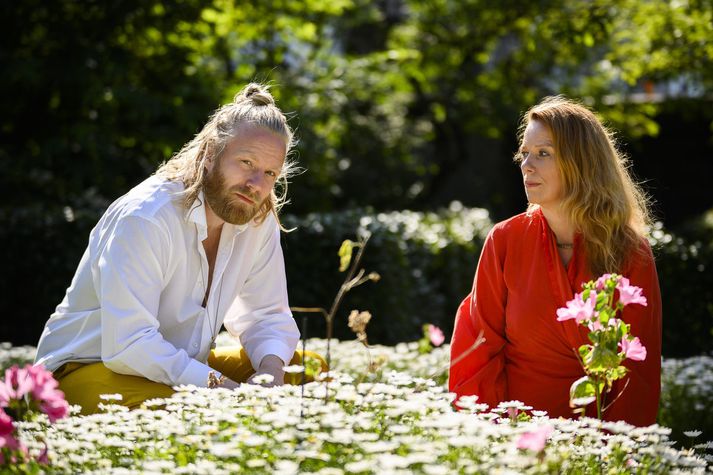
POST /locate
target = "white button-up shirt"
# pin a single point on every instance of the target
(135, 302)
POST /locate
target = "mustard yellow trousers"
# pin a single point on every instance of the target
(82, 383)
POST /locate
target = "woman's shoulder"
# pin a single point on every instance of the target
(523, 222)
(641, 256)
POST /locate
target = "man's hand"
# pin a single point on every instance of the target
(229, 384)
(270, 365)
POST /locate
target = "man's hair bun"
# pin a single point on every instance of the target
(255, 93)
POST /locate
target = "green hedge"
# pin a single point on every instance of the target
(685, 267)
(426, 261)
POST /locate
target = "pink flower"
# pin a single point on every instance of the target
(42, 458)
(45, 391)
(633, 349)
(6, 424)
(601, 282)
(6, 393)
(595, 325)
(578, 309)
(7, 429)
(44, 383)
(435, 335)
(630, 293)
(55, 406)
(534, 440)
(18, 382)
(37, 382)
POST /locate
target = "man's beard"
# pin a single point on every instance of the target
(223, 201)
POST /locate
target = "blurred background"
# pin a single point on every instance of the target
(406, 113)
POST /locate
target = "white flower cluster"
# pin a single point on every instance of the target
(386, 422)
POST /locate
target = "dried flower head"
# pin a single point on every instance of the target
(358, 322)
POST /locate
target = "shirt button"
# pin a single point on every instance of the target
(195, 345)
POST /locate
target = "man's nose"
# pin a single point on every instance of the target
(257, 182)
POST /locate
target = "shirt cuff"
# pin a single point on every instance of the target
(196, 373)
(270, 347)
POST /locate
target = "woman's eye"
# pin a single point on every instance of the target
(544, 153)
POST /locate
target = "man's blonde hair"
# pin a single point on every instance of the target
(252, 105)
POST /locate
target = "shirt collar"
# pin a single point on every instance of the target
(196, 215)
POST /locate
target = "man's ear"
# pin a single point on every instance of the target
(208, 156)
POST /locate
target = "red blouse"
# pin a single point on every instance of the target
(528, 355)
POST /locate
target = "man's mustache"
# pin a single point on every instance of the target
(244, 191)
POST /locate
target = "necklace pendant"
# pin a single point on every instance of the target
(212, 344)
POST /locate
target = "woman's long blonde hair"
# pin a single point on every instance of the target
(253, 105)
(600, 197)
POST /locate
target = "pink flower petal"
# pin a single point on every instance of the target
(534, 440)
(7, 425)
(633, 349)
(578, 308)
(436, 336)
(630, 294)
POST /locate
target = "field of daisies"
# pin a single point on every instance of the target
(384, 410)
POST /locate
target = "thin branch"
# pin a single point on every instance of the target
(310, 310)
(618, 395)
(478, 341)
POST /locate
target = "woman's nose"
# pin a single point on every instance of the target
(526, 165)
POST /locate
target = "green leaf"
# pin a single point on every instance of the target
(616, 373)
(582, 392)
(601, 359)
(345, 254)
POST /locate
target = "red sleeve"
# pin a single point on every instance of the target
(481, 371)
(639, 402)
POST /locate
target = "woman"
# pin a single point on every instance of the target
(585, 217)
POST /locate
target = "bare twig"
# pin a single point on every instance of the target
(478, 341)
(618, 395)
(350, 281)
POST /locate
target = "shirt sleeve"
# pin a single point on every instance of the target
(638, 399)
(129, 280)
(262, 319)
(481, 371)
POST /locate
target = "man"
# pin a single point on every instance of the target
(192, 248)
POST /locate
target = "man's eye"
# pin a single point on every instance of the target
(247, 162)
(271, 174)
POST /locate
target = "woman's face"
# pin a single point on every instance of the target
(538, 163)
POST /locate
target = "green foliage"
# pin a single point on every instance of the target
(394, 103)
(384, 118)
(684, 262)
(687, 398)
(426, 262)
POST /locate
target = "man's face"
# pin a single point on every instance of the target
(239, 181)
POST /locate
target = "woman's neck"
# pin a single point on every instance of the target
(560, 225)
